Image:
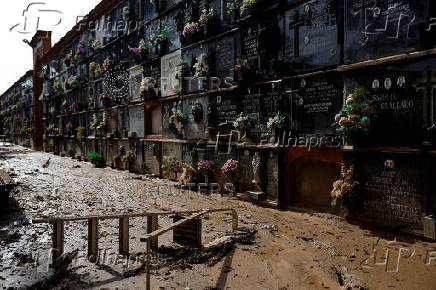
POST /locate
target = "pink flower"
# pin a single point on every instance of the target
(205, 165)
(230, 166)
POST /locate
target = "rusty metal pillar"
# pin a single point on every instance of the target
(58, 243)
(123, 237)
(152, 225)
(93, 238)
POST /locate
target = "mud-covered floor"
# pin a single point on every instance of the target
(293, 249)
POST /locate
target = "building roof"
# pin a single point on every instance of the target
(19, 82)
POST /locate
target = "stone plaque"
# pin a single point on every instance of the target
(152, 154)
(149, 9)
(391, 195)
(135, 82)
(190, 12)
(153, 27)
(271, 45)
(168, 131)
(402, 96)
(316, 101)
(250, 44)
(224, 51)
(137, 120)
(227, 107)
(196, 109)
(152, 70)
(165, 4)
(169, 62)
(192, 83)
(250, 105)
(271, 102)
(380, 28)
(201, 5)
(123, 121)
(188, 234)
(312, 35)
(172, 148)
(169, 22)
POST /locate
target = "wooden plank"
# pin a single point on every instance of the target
(123, 237)
(117, 216)
(153, 225)
(93, 238)
(58, 243)
(170, 227)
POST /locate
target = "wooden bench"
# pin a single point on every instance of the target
(6, 185)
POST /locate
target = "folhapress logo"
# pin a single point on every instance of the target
(35, 17)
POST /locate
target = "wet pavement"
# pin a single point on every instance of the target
(292, 249)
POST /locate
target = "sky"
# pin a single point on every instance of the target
(58, 16)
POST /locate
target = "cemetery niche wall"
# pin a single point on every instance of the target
(204, 81)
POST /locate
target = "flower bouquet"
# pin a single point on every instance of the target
(190, 33)
(244, 70)
(67, 58)
(158, 41)
(354, 119)
(75, 106)
(242, 123)
(147, 89)
(201, 66)
(81, 131)
(247, 6)
(69, 127)
(80, 52)
(57, 86)
(108, 65)
(209, 21)
(230, 169)
(64, 105)
(177, 119)
(275, 123)
(94, 44)
(51, 129)
(205, 167)
(344, 189)
(126, 13)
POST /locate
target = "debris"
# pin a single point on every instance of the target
(47, 163)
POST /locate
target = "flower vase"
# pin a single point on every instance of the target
(235, 183)
(206, 177)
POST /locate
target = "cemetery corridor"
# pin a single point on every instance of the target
(292, 249)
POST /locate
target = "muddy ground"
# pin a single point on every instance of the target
(292, 249)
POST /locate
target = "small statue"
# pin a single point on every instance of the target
(256, 164)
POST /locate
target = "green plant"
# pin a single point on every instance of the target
(93, 156)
